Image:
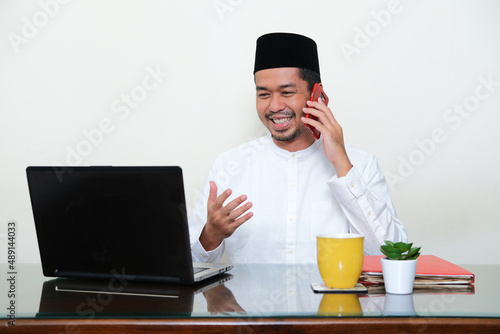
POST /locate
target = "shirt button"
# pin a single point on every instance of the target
(291, 292)
(290, 251)
(353, 185)
(292, 185)
(293, 155)
(369, 213)
(290, 218)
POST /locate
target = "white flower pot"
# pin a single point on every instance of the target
(399, 275)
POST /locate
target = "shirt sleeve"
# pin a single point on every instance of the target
(199, 253)
(364, 198)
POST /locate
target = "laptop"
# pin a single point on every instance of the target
(114, 223)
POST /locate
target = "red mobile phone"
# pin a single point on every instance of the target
(316, 93)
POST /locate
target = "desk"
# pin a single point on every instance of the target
(253, 299)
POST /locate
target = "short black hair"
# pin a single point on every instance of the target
(311, 77)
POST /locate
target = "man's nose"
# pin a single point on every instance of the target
(276, 104)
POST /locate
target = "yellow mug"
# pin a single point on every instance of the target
(340, 259)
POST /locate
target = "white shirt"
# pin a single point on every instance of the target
(296, 196)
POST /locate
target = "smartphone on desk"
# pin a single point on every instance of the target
(317, 92)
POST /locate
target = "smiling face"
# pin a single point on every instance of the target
(281, 95)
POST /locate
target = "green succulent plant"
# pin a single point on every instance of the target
(400, 250)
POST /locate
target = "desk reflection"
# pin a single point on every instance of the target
(264, 290)
(250, 290)
(98, 298)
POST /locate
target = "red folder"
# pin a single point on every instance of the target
(430, 270)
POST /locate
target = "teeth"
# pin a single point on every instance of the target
(281, 120)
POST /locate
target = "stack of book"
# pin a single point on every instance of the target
(433, 274)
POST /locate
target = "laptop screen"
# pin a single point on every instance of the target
(100, 221)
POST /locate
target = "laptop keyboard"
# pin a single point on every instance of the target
(198, 270)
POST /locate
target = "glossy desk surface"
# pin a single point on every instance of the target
(250, 294)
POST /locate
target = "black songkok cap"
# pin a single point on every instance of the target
(286, 50)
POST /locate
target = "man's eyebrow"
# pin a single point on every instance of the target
(288, 85)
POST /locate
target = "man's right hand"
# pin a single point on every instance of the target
(222, 221)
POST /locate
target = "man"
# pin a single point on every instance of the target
(299, 187)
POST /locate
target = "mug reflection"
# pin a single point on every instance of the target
(341, 304)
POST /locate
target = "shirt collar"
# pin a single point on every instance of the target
(299, 154)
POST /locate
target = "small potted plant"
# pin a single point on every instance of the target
(399, 266)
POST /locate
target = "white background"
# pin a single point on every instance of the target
(408, 81)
